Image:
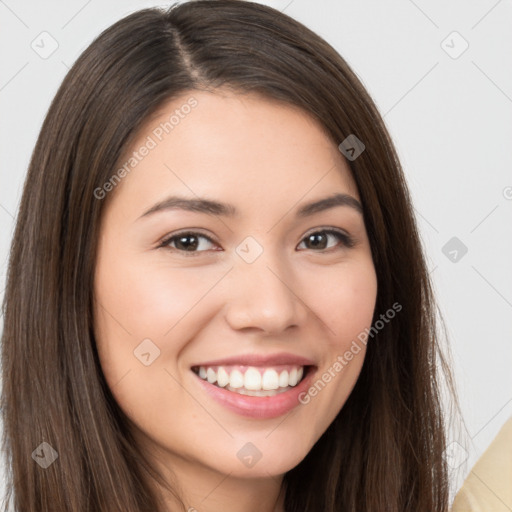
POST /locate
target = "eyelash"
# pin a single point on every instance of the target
(346, 240)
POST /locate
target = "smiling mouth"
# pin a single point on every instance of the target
(253, 380)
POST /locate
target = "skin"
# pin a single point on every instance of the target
(267, 159)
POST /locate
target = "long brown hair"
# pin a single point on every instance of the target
(384, 451)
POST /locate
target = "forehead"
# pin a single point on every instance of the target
(241, 148)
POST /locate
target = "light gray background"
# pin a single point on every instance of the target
(450, 118)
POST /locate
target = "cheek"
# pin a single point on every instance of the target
(132, 306)
(136, 302)
(147, 301)
(344, 299)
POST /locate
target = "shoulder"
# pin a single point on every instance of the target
(488, 487)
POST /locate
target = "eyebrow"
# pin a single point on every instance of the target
(214, 208)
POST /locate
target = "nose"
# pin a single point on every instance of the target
(265, 297)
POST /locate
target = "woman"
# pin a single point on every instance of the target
(285, 359)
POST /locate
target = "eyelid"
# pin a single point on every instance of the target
(347, 240)
(190, 231)
(326, 229)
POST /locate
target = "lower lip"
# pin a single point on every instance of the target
(262, 407)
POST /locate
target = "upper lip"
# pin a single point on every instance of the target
(260, 360)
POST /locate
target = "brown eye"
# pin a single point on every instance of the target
(318, 240)
(187, 242)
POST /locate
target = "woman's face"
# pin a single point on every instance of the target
(197, 305)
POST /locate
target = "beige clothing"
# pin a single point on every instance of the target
(488, 487)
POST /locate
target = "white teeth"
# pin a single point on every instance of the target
(253, 382)
(270, 380)
(211, 375)
(252, 379)
(222, 377)
(236, 379)
(263, 392)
